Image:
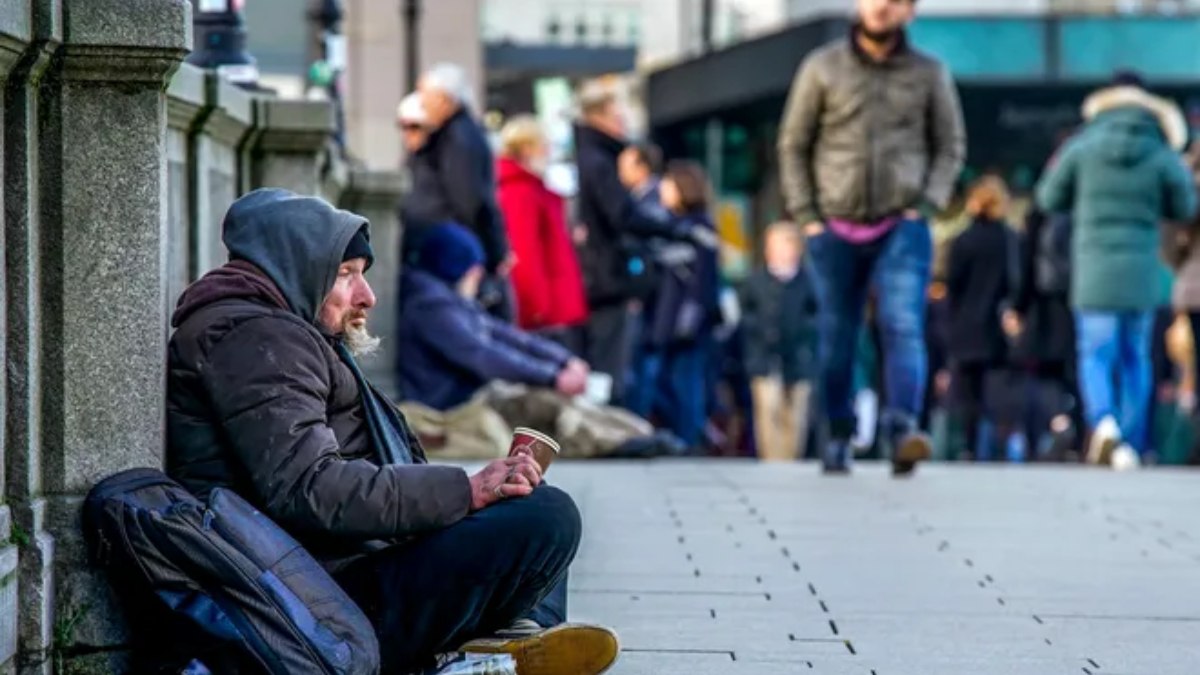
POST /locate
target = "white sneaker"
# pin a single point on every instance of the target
(1125, 458)
(1105, 438)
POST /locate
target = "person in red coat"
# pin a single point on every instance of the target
(547, 279)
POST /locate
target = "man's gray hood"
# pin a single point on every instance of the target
(295, 240)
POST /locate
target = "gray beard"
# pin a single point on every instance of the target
(360, 342)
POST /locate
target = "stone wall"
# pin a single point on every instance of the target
(118, 164)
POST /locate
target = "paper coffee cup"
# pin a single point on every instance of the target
(534, 443)
(599, 388)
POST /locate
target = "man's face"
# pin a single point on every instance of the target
(610, 120)
(632, 172)
(346, 306)
(468, 286)
(414, 135)
(438, 105)
(882, 19)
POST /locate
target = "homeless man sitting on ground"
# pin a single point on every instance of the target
(265, 398)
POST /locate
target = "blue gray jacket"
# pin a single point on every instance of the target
(449, 347)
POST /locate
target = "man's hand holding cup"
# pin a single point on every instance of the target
(513, 476)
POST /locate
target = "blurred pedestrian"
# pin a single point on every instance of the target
(679, 327)
(546, 276)
(1121, 177)
(459, 183)
(779, 321)
(413, 124)
(616, 228)
(639, 167)
(1182, 251)
(469, 377)
(981, 276)
(1042, 330)
(871, 144)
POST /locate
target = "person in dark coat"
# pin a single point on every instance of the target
(454, 181)
(265, 397)
(982, 270)
(680, 322)
(452, 349)
(779, 320)
(617, 228)
(1043, 327)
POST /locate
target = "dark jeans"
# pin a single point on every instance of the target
(897, 266)
(608, 346)
(673, 383)
(432, 594)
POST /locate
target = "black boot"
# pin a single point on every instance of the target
(836, 458)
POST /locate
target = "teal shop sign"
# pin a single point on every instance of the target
(1158, 47)
(1088, 48)
(985, 48)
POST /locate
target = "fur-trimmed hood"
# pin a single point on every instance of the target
(1170, 117)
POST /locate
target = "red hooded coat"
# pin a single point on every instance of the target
(547, 279)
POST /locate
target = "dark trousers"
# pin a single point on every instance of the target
(969, 388)
(571, 338)
(506, 562)
(608, 346)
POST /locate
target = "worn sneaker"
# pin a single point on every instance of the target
(908, 448)
(1105, 438)
(1125, 458)
(569, 649)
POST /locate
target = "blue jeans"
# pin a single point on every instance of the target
(431, 594)
(673, 384)
(897, 267)
(1115, 374)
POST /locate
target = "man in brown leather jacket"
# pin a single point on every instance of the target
(871, 144)
(265, 397)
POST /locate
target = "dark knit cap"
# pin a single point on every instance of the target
(360, 247)
(1128, 78)
(449, 251)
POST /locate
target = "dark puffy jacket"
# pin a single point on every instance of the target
(454, 181)
(259, 402)
(686, 304)
(983, 270)
(618, 227)
(450, 347)
(1047, 342)
(779, 322)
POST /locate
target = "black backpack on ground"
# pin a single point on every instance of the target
(219, 584)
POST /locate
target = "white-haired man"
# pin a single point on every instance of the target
(413, 123)
(461, 187)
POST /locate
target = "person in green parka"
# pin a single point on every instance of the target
(1121, 176)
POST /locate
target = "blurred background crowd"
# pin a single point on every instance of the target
(596, 209)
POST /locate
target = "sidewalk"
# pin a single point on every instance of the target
(733, 568)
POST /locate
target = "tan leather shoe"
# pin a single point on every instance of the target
(569, 649)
